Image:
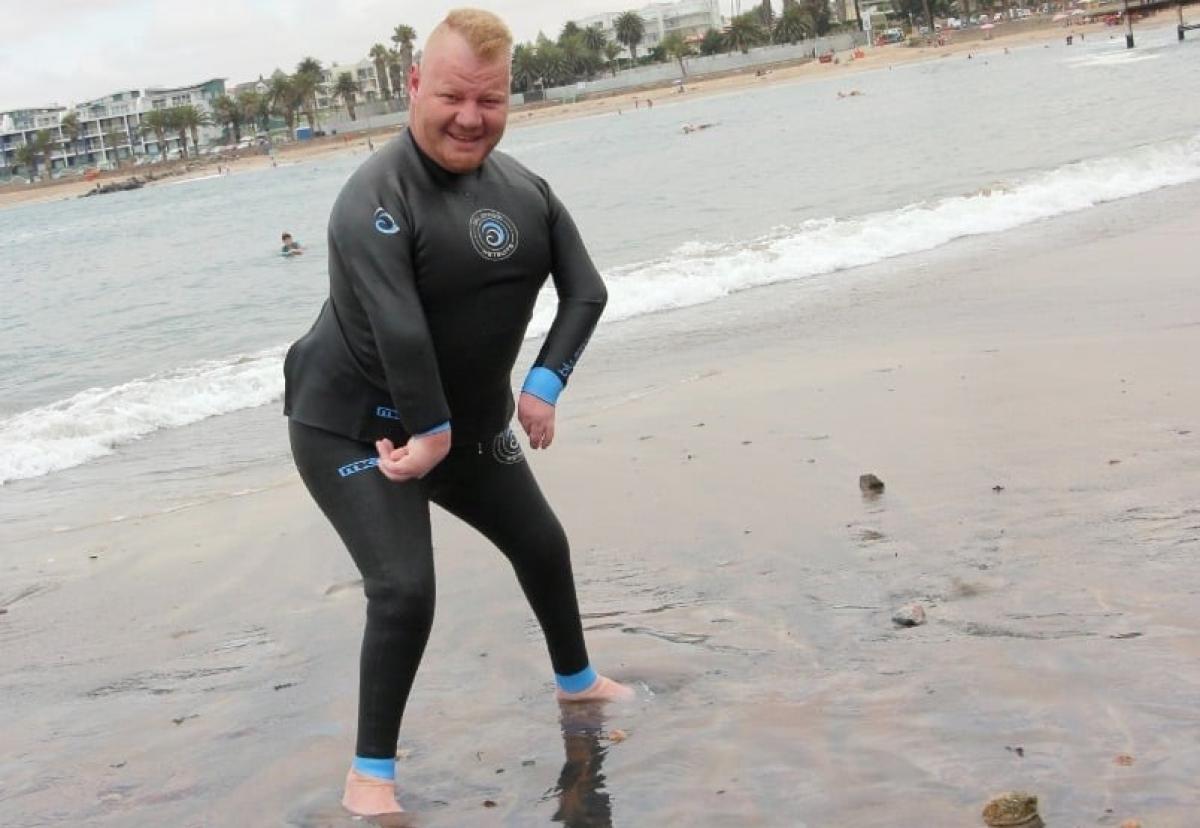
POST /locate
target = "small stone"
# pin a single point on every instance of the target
(285, 685)
(3, 611)
(489, 803)
(870, 484)
(912, 615)
(528, 763)
(997, 488)
(617, 735)
(1012, 809)
(1123, 759)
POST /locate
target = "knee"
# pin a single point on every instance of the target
(548, 546)
(400, 602)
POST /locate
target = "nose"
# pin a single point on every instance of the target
(468, 116)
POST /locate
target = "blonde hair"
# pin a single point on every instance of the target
(486, 33)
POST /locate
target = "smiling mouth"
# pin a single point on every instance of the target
(460, 139)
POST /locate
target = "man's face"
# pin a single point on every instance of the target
(459, 103)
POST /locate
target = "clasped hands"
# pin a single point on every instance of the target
(420, 455)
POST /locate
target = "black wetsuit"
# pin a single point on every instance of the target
(433, 279)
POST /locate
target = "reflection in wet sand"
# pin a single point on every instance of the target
(583, 801)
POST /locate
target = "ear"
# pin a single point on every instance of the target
(414, 81)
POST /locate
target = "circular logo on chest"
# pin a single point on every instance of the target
(493, 234)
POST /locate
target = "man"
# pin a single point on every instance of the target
(291, 247)
(400, 394)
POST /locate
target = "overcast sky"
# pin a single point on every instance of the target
(66, 51)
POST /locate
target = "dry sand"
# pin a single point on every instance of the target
(1010, 35)
(200, 670)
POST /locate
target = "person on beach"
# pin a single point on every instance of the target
(399, 395)
(291, 247)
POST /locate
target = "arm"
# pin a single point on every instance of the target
(378, 266)
(581, 300)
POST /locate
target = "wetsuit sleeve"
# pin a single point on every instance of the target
(581, 300)
(376, 256)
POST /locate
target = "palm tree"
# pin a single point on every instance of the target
(594, 39)
(379, 54)
(346, 88)
(306, 81)
(524, 67)
(793, 25)
(285, 100)
(744, 32)
(256, 109)
(676, 47)
(173, 123)
(70, 128)
(404, 37)
(630, 31)
(229, 113)
(190, 118)
(156, 121)
(112, 141)
(553, 64)
(396, 74)
(611, 52)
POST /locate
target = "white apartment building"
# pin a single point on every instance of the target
(689, 18)
(109, 127)
(363, 72)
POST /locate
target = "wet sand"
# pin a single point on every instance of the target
(1030, 401)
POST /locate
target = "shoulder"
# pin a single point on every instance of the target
(375, 192)
(514, 172)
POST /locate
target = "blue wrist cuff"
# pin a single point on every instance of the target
(379, 768)
(576, 682)
(543, 384)
(437, 429)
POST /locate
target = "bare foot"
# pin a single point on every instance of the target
(604, 690)
(370, 795)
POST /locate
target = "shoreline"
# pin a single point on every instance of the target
(876, 57)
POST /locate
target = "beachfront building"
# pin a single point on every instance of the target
(109, 127)
(363, 73)
(688, 18)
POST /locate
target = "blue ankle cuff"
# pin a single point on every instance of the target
(576, 682)
(379, 768)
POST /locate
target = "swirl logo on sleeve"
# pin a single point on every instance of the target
(493, 235)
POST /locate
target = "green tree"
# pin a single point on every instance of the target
(611, 54)
(112, 142)
(631, 30)
(570, 29)
(524, 67)
(173, 122)
(346, 88)
(712, 42)
(156, 122)
(818, 10)
(594, 39)
(229, 113)
(793, 25)
(285, 100)
(677, 48)
(379, 56)
(923, 9)
(404, 37)
(71, 130)
(744, 32)
(189, 119)
(307, 80)
(766, 15)
(553, 65)
(35, 149)
(256, 109)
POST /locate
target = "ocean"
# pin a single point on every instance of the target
(142, 333)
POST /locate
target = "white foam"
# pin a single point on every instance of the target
(697, 273)
(92, 423)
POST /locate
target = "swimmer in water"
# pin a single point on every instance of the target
(399, 397)
(291, 247)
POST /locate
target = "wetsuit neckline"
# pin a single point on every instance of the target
(440, 173)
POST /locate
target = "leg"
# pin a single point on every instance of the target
(495, 492)
(385, 526)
